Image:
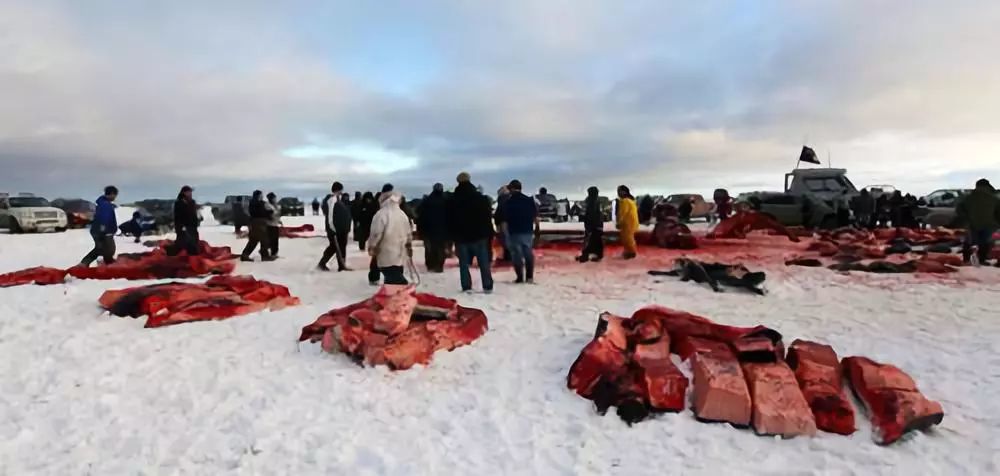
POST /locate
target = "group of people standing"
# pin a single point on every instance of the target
(869, 211)
(105, 225)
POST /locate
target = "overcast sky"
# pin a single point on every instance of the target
(665, 96)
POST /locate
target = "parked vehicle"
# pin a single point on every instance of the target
(292, 207)
(161, 211)
(79, 212)
(945, 198)
(821, 184)
(790, 209)
(224, 213)
(700, 208)
(26, 212)
(940, 208)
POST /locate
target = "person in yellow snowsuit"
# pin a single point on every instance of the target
(628, 221)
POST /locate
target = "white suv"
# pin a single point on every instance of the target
(27, 212)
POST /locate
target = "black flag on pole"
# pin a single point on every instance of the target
(808, 155)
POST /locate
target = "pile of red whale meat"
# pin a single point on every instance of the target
(397, 327)
(300, 231)
(741, 376)
(221, 297)
(154, 264)
(39, 275)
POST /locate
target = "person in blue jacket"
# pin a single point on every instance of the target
(520, 214)
(133, 227)
(103, 228)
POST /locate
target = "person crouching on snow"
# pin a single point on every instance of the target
(390, 243)
(132, 227)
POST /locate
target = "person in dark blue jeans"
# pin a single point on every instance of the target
(103, 229)
(520, 214)
(470, 224)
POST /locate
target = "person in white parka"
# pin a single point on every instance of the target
(391, 239)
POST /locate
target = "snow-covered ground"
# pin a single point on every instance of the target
(85, 393)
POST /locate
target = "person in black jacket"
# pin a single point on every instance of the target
(503, 194)
(366, 208)
(471, 227)
(338, 227)
(593, 225)
(646, 209)
(185, 224)
(259, 216)
(240, 218)
(432, 224)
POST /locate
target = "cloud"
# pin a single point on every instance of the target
(665, 96)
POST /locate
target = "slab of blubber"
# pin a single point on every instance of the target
(720, 390)
(778, 405)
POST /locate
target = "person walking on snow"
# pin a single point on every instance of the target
(338, 227)
(628, 222)
(103, 228)
(519, 217)
(471, 228)
(390, 244)
(593, 226)
(980, 211)
(273, 224)
(185, 224)
(315, 206)
(503, 193)
(432, 223)
(259, 216)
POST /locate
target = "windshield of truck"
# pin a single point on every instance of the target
(678, 198)
(24, 202)
(79, 206)
(829, 184)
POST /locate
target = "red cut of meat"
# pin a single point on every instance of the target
(944, 258)
(681, 324)
(157, 265)
(673, 235)
(414, 345)
(886, 234)
(778, 405)
(931, 266)
(462, 328)
(40, 275)
(612, 328)
(173, 303)
(824, 248)
(600, 360)
(720, 390)
(395, 305)
(296, 231)
(738, 225)
(757, 349)
(665, 385)
(688, 346)
(397, 327)
(820, 377)
(895, 405)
